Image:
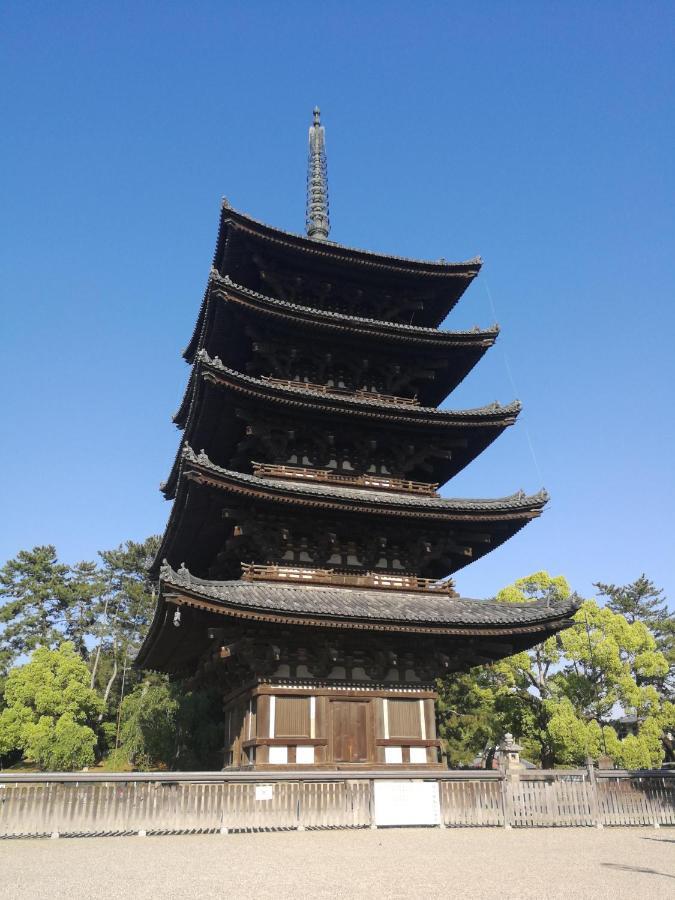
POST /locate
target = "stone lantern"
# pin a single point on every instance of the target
(509, 754)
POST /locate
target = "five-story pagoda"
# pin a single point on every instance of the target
(305, 565)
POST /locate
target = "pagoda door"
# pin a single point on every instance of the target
(349, 719)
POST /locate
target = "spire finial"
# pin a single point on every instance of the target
(317, 222)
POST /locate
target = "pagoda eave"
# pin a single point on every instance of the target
(304, 397)
(332, 251)
(235, 322)
(463, 531)
(456, 623)
(199, 468)
(467, 433)
(293, 315)
(257, 255)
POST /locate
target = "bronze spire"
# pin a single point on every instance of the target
(317, 222)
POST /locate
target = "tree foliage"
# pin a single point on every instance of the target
(563, 697)
(36, 594)
(51, 710)
(642, 601)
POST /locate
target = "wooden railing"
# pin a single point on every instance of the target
(377, 580)
(329, 390)
(106, 803)
(327, 476)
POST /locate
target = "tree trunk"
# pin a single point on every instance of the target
(94, 668)
(98, 651)
(108, 687)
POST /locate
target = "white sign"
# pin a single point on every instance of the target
(264, 791)
(407, 803)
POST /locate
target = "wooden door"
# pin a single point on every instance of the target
(350, 730)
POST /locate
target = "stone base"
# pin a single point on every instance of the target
(272, 725)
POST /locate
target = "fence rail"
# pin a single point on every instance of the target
(99, 803)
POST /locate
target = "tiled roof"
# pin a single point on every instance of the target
(225, 283)
(375, 605)
(415, 412)
(390, 499)
(341, 252)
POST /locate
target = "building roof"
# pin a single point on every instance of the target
(250, 252)
(335, 496)
(196, 530)
(203, 419)
(223, 288)
(364, 606)
(436, 269)
(301, 396)
(473, 630)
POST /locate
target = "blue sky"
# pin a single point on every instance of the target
(537, 135)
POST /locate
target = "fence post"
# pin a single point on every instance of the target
(298, 808)
(506, 799)
(650, 797)
(371, 802)
(593, 794)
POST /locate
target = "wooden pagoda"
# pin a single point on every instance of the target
(305, 565)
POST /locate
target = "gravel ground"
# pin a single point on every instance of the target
(395, 863)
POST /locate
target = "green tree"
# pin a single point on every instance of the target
(34, 587)
(642, 601)
(467, 720)
(639, 601)
(51, 710)
(164, 725)
(45, 603)
(123, 613)
(525, 684)
(148, 719)
(562, 697)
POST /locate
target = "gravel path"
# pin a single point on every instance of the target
(545, 864)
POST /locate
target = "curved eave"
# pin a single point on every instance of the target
(520, 505)
(196, 472)
(223, 290)
(485, 423)
(338, 253)
(345, 608)
(298, 397)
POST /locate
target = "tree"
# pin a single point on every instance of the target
(164, 725)
(51, 710)
(35, 589)
(642, 601)
(562, 697)
(524, 684)
(46, 602)
(639, 601)
(465, 711)
(123, 614)
(148, 724)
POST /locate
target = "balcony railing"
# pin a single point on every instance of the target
(372, 580)
(329, 390)
(328, 476)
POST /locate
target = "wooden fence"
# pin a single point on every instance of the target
(152, 803)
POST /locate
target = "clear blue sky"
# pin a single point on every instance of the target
(537, 135)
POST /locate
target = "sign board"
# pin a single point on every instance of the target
(407, 803)
(264, 791)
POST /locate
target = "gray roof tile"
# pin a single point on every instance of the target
(377, 605)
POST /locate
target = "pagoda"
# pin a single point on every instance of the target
(306, 566)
